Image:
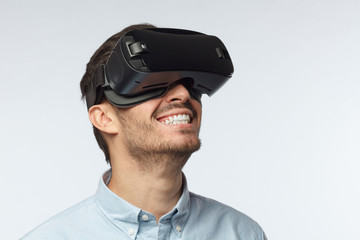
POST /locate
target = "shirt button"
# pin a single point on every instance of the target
(178, 228)
(145, 217)
(131, 231)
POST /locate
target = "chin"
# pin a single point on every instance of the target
(188, 145)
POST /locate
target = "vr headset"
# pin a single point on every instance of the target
(146, 62)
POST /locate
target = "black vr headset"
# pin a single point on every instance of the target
(145, 62)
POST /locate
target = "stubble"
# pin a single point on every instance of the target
(153, 151)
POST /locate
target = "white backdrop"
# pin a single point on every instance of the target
(280, 140)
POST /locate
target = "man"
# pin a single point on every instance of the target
(147, 122)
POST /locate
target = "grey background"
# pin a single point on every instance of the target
(280, 140)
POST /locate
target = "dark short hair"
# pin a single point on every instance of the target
(100, 56)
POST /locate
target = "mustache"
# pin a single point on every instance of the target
(176, 105)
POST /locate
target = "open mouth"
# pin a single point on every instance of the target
(176, 119)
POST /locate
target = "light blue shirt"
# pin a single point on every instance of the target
(106, 216)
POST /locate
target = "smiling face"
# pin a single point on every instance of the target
(164, 128)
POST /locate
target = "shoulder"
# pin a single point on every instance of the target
(60, 225)
(225, 217)
(212, 206)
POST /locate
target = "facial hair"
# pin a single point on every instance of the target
(151, 150)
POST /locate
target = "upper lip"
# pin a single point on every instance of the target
(176, 112)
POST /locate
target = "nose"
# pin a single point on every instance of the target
(177, 93)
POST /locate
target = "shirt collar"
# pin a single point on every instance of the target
(125, 215)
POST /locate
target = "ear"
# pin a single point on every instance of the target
(102, 116)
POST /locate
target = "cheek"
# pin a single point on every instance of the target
(148, 108)
(198, 108)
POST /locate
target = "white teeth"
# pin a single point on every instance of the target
(178, 119)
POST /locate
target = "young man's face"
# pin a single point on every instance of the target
(169, 124)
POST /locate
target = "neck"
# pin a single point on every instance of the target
(153, 189)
